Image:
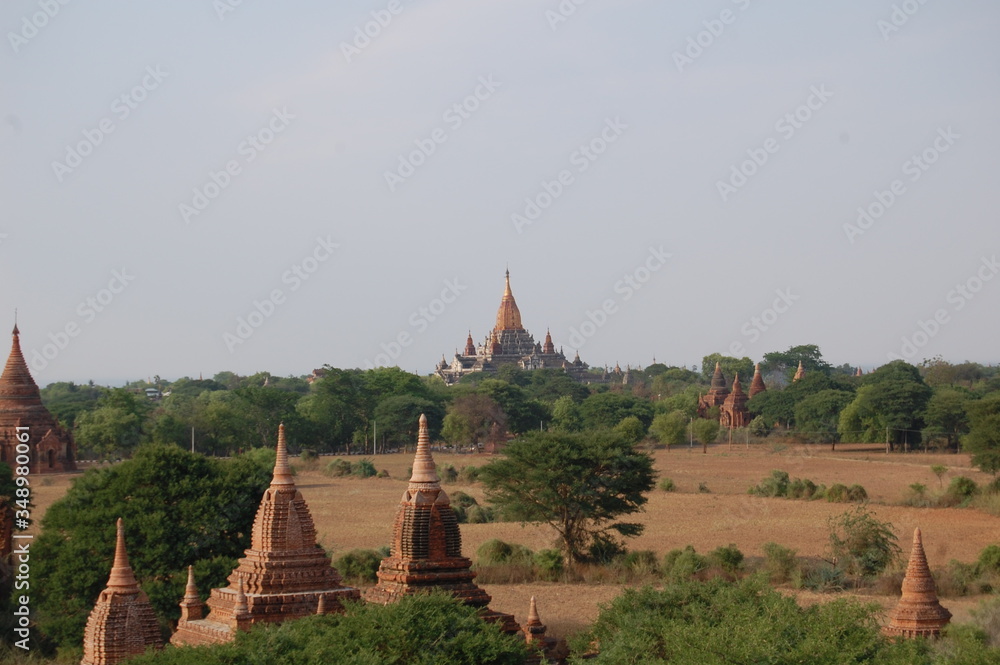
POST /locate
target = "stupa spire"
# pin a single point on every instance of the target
(757, 385)
(799, 373)
(424, 469)
(508, 315)
(282, 470)
(121, 572)
(918, 614)
(737, 388)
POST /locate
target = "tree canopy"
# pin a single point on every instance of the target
(579, 484)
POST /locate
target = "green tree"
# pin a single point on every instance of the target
(670, 429)
(427, 629)
(741, 623)
(523, 414)
(473, 418)
(983, 439)
(632, 429)
(705, 430)
(862, 544)
(892, 399)
(579, 484)
(566, 414)
(398, 418)
(946, 416)
(605, 410)
(786, 363)
(178, 509)
(730, 366)
(818, 414)
(336, 407)
(67, 400)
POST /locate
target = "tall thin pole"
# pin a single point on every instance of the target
(192, 439)
(374, 435)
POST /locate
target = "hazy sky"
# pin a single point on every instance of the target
(663, 179)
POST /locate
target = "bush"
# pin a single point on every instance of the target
(479, 515)
(605, 550)
(989, 560)
(497, 552)
(448, 473)
(460, 504)
(837, 493)
(861, 544)
(774, 485)
(729, 558)
(339, 468)
(360, 565)
(987, 619)
(364, 468)
(550, 564)
(469, 475)
(308, 457)
(643, 562)
(703, 488)
(384, 473)
(667, 485)
(960, 491)
(779, 563)
(857, 494)
(823, 578)
(680, 565)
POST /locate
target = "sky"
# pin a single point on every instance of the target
(199, 186)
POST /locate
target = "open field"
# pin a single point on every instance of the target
(359, 513)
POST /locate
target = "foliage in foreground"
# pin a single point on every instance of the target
(577, 483)
(418, 630)
(720, 623)
(178, 509)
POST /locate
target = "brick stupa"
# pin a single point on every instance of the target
(716, 395)
(427, 546)
(284, 575)
(539, 644)
(918, 614)
(757, 385)
(800, 373)
(733, 412)
(52, 447)
(122, 623)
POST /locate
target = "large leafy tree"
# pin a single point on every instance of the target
(579, 484)
(785, 363)
(430, 629)
(523, 413)
(605, 410)
(730, 367)
(336, 407)
(67, 400)
(114, 426)
(398, 417)
(178, 509)
(946, 416)
(890, 402)
(817, 414)
(473, 418)
(983, 439)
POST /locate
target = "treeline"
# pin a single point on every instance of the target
(936, 403)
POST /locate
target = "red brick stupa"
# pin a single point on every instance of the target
(716, 395)
(540, 644)
(284, 575)
(918, 614)
(427, 546)
(52, 447)
(122, 623)
(757, 385)
(733, 412)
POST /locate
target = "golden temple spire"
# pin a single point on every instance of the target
(508, 315)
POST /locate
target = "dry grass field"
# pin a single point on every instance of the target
(358, 513)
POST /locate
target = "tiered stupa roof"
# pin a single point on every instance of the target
(282, 576)
(508, 315)
(427, 545)
(918, 614)
(757, 385)
(122, 623)
(21, 405)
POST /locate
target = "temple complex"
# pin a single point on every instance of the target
(122, 623)
(52, 449)
(918, 614)
(284, 574)
(427, 545)
(508, 343)
(733, 412)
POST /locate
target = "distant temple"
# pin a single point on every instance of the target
(283, 575)
(732, 404)
(52, 449)
(510, 344)
(427, 545)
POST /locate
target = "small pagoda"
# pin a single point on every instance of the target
(757, 385)
(918, 613)
(284, 575)
(427, 545)
(733, 412)
(122, 623)
(716, 395)
(539, 644)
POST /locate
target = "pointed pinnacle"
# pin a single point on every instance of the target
(533, 619)
(282, 471)
(424, 469)
(121, 572)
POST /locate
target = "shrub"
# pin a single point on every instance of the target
(667, 485)
(460, 504)
(861, 544)
(448, 473)
(359, 565)
(384, 473)
(364, 468)
(729, 558)
(857, 494)
(641, 561)
(987, 618)
(550, 564)
(779, 563)
(989, 559)
(837, 493)
(680, 565)
(823, 578)
(703, 488)
(960, 490)
(338, 468)
(308, 456)
(774, 485)
(469, 474)
(605, 550)
(496, 552)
